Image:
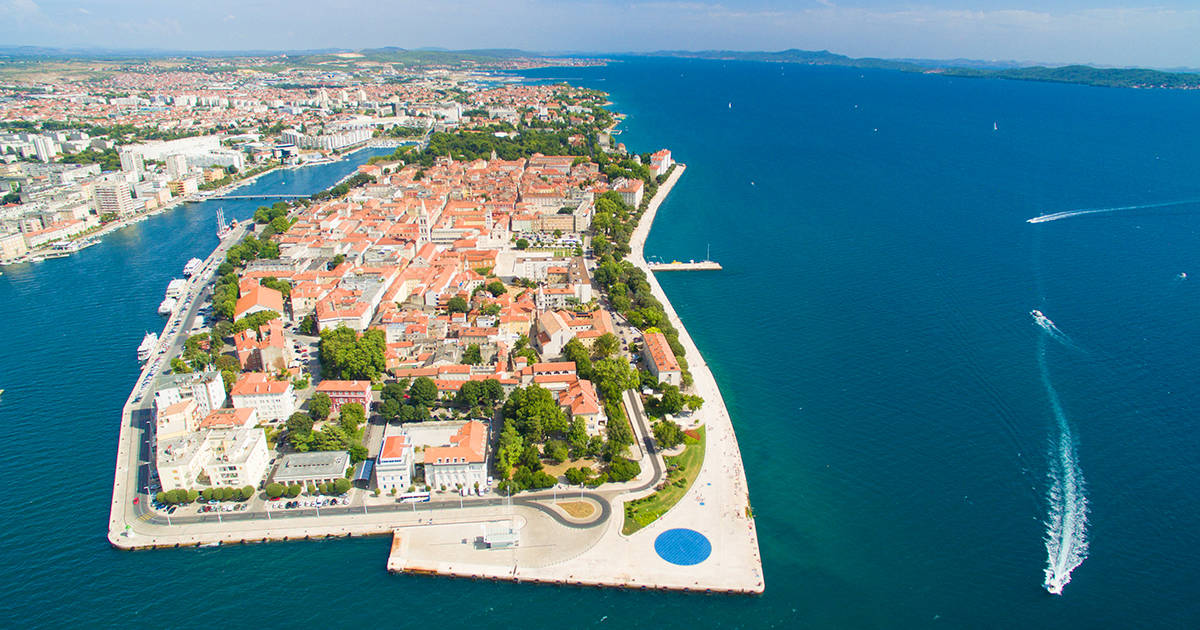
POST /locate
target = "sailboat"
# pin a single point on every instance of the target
(995, 127)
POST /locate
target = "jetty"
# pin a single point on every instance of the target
(691, 265)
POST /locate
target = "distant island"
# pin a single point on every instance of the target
(1079, 74)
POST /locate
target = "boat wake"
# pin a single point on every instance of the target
(1052, 331)
(1066, 521)
(1045, 218)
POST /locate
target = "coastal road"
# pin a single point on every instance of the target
(534, 501)
(135, 443)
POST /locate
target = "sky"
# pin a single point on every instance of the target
(1150, 33)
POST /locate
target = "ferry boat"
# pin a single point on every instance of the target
(192, 266)
(149, 342)
(176, 287)
(167, 306)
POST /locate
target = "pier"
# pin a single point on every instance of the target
(692, 265)
(226, 197)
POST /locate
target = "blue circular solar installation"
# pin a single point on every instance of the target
(682, 546)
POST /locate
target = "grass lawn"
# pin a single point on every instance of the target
(681, 473)
(558, 470)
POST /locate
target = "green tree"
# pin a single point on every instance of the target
(531, 460)
(613, 376)
(308, 325)
(179, 366)
(319, 406)
(574, 350)
(623, 469)
(535, 412)
(341, 485)
(458, 304)
(496, 288)
(555, 451)
(509, 450)
(577, 438)
(668, 434)
(578, 477)
(300, 423)
(350, 417)
(294, 490)
(472, 355)
(606, 345)
(275, 490)
(347, 355)
(522, 243)
(423, 392)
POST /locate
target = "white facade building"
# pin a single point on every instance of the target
(228, 457)
(274, 400)
(394, 466)
(463, 463)
(207, 388)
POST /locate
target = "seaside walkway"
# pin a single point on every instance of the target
(229, 197)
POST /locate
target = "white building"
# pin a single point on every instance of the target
(228, 457)
(207, 388)
(177, 420)
(113, 197)
(131, 162)
(177, 166)
(236, 457)
(463, 463)
(274, 400)
(394, 466)
(315, 468)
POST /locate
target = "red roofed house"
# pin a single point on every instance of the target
(394, 466)
(579, 400)
(255, 298)
(463, 463)
(660, 359)
(274, 400)
(234, 418)
(263, 349)
(342, 392)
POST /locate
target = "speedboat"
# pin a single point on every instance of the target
(1040, 317)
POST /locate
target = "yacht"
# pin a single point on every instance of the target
(147, 348)
(175, 287)
(167, 306)
(192, 266)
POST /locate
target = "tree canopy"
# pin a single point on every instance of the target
(345, 354)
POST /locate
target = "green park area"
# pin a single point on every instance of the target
(682, 470)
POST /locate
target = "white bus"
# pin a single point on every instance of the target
(413, 497)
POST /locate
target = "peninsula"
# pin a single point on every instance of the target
(461, 347)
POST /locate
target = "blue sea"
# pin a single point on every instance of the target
(909, 432)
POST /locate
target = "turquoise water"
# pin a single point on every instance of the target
(870, 331)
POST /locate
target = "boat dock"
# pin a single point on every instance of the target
(692, 265)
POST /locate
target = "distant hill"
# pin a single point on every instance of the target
(1079, 74)
(422, 57)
